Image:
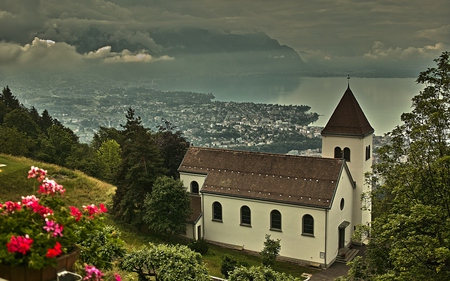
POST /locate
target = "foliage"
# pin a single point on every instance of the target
(140, 166)
(101, 247)
(229, 264)
(109, 156)
(168, 207)
(34, 231)
(410, 235)
(259, 273)
(270, 251)
(200, 246)
(165, 263)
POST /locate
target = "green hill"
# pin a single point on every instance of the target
(81, 189)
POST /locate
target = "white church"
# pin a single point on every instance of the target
(312, 204)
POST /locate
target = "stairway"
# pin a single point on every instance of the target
(345, 255)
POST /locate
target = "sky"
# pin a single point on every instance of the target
(49, 33)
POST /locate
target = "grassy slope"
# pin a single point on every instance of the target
(84, 190)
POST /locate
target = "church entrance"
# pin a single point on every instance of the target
(341, 234)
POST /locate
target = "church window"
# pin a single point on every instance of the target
(337, 152)
(308, 225)
(194, 187)
(368, 152)
(347, 154)
(217, 211)
(342, 203)
(275, 220)
(246, 218)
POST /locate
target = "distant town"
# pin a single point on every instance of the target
(202, 120)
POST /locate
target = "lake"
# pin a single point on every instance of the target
(382, 99)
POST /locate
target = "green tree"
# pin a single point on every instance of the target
(140, 166)
(270, 251)
(166, 263)
(15, 143)
(21, 119)
(109, 155)
(172, 147)
(410, 235)
(259, 273)
(168, 207)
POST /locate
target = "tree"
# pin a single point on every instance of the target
(258, 273)
(165, 263)
(140, 166)
(270, 251)
(167, 208)
(172, 147)
(14, 142)
(410, 233)
(109, 154)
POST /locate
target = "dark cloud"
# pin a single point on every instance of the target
(327, 32)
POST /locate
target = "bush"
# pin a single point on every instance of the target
(199, 246)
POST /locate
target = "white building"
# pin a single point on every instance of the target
(311, 204)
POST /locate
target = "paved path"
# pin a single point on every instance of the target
(335, 270)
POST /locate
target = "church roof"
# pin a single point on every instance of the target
(290, 179)
(348, 118)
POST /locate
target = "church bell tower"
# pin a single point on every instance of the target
(349, 135)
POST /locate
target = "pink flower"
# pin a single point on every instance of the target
(51, 187)
(12, 206)
(19, 244)
(117, 277)
(55, 251)
(92, 273)
(35, 171)
(53, 226)
(92, 209)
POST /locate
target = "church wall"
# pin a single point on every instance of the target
(293, 243)
(187, 178)
(336, 216)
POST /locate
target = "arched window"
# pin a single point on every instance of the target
(194, 187)
(337, 152)
(217, 211)
(246, 217)
(275, 220)
(308, 225)
(347, 154)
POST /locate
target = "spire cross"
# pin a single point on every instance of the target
(348, 80)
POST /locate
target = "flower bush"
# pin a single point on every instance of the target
(37, 230)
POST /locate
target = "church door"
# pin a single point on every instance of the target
(341, 238)
(199, 232)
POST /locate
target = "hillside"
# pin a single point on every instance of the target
(81, 189)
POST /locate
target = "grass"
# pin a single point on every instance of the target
(83, 190)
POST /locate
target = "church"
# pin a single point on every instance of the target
(312, 204)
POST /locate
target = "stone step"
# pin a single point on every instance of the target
(349, 255)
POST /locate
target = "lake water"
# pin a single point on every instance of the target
(383, 100)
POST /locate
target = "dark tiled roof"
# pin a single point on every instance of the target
(348, 118)
(196, 208)
(274, 177)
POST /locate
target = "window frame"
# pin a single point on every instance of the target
(346, 154)
(246, 219)
(217, 212)
(197, 190)
(308, 229)
(338, 152)
(274, 221)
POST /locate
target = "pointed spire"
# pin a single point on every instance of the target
(348, 118)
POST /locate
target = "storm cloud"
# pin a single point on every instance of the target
(324, 33)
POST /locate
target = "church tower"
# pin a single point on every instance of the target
(349, 135)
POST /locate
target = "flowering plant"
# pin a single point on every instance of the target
(35, 231)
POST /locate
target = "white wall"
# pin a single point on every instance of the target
(293, 244)
(187, 178)
(336, 216)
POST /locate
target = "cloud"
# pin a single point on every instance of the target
(51, 54)
(381, 52)
(104, 54)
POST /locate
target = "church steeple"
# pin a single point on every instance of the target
(348, 118)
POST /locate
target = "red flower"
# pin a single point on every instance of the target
(103, 208)
(75, 213)
(19, 244)
(54, 252)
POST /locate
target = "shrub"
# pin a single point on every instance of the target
(199, 246)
